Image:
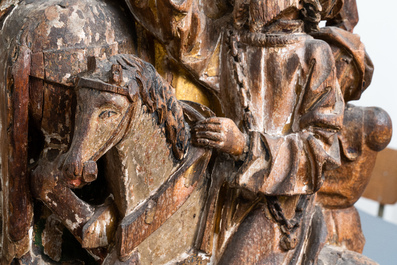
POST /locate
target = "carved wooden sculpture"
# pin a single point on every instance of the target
(100, 155)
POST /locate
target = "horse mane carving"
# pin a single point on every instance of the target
(135, 75)
(160, 97)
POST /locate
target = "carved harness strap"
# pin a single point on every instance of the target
(102, 86)
(157, 209)
(145, 220)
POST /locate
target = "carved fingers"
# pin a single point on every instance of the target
(219, 133)
(209, 133)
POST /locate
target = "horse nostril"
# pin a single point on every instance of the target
(71, 170)
(68, 170)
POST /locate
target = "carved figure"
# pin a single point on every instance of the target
(240, 52)
(290, 107)
(100, 138)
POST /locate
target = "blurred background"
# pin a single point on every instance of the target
(378, 31)
(377, 28)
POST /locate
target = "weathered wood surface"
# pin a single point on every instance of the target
(101, 140)
(48, 36)
(339, 256)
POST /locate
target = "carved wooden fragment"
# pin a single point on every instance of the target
(184, 132)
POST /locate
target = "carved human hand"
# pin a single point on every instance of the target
(219, 133)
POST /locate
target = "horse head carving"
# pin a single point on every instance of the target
(127, 114)
(105, 109)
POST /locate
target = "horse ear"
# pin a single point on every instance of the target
(133, 91)
(116, 74)
(91, 64)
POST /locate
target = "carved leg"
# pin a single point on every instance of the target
(48, 186)
(92, 226)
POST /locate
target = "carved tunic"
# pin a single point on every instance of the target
(288, 101)
(293, 109)
(290, 91)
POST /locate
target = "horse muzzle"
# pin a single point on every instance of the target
(77, 177)
(90, 171)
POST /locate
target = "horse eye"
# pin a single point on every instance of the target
(107, 114)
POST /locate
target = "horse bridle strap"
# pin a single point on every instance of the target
(102, 86)
(140, 224)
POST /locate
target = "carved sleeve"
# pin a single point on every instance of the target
(190, 31)
(292, 163)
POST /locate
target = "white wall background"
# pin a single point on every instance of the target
(378, 31)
